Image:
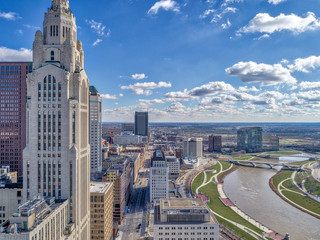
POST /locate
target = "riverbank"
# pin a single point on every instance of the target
(282, 185)
(227, 213)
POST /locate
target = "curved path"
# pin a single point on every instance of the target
(234, 208)
(281, 188)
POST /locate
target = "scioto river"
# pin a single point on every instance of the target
(249, 189)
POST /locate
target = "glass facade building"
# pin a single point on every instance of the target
(13, 94)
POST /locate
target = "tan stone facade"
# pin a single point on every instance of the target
(101, 220)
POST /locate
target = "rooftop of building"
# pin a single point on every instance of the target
(40, 207)
(172, 159)
(183, 206)
(182, 203)
(99, 187)
(93, 90)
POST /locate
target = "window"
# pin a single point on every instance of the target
(52, 55)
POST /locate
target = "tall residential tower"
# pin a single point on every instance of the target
(57, 154)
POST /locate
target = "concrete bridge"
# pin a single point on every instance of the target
(269, 165)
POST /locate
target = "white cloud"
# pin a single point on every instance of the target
(246, 89)
(153, 101)
(23, 54)
(210, 89)
(304, 64)
(206, 13)
(31, 27)
(139, 76)
(97, 42)
(310, 96)
(99, 28)
(176, 107)
(218, 16)
(20, 32)
(226, 25)
(266, 74)
(264, 23)
(264, 36)
(108, 96)
(12, 16)
(172, 96)
(167, 5)
(145, 87)
(309, 85)
(275, 2)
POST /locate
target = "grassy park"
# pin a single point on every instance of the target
(289, 191)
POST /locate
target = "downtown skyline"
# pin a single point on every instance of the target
(190, 61)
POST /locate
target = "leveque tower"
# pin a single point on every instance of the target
(57, 154)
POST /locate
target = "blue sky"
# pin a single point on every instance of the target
(189, 60)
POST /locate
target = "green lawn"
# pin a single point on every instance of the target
(282, 152)
(216, 167)
(235, 229)
(242, 157)
(217, 206)
(300, 176)
(303, 201)
(300, 200)
(197, 182)
(312, 186)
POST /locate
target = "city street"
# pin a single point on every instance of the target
(134, 225)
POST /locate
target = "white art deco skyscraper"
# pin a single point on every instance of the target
(57, 155)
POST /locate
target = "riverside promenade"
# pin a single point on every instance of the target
(264, 231)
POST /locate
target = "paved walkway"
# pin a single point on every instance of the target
(229, 203)
(281, 188)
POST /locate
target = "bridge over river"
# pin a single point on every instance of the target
(269, 165)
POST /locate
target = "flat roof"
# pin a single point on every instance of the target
(182, 203)
(99, 187)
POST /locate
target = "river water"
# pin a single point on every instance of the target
(249, 189)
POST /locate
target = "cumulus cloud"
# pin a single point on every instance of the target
(145, 87)
(264, 23)
(310, 96)
(218, 16)
(206, 13)
(304, 64)
(176, 107)
(167, 5)
(23, 54)
(139, 76)
(264, 36)
(309, 85)
(108, 96)
(12, 16)
(275, 2)
(250, 72)
(247, 89)
(99, 28)
(210, 88)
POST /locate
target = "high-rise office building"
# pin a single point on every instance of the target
(57, 155)
(159, 177)
(192, 148)
(141, 122)
(249, 139)
(95, 130)
(215, 143)
(13, 99)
